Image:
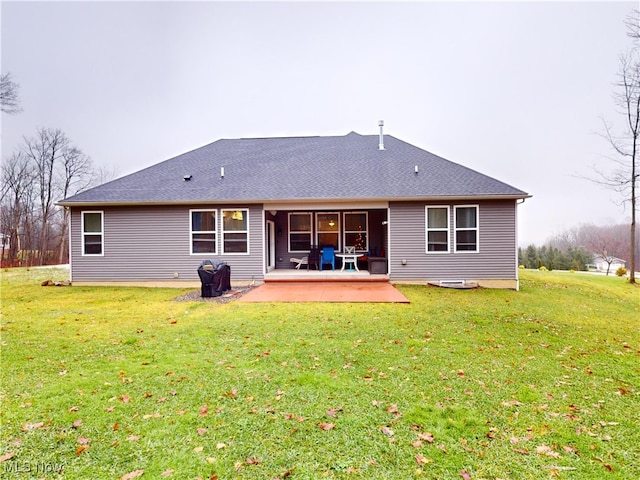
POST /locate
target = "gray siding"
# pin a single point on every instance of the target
(496, 258)
(153, 243)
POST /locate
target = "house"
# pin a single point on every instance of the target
(257, 202)
(606, 264)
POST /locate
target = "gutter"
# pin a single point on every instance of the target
(337, 201)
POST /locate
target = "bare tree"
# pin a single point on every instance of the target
(76, 174)
(16, 198)
(9, 102)
(605, 242)
(45, 150)
(624, 178)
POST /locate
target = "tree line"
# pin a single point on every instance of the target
(44, 168)
(577, 247)
(552, 258)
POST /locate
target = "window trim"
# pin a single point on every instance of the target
(310, 215)
(365, 231)
(191, 231)
(223, 231)
(476, 228)
(446, 229)
(101, 233)
(337, 232)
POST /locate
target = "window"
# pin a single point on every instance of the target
(328, 225)
(235, 231)
(92, 233)
(203, 231)
(355, 231)
(438, 229)
(466, 231)
(299, 232)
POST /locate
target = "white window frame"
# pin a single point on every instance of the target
(84, 234)
(215, 232)
(310, 232)
(318, 231)
(456, 229)
(223, 232)
(365, 231)
(446, 229)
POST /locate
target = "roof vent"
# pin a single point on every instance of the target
(187, 178)
(221, 172)
(381, 143)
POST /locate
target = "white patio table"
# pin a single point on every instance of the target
(351, 258)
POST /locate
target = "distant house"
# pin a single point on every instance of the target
(606, 264)
(257, 202)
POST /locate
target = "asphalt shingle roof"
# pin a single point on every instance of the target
(349, 167)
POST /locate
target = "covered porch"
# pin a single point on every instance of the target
(293, 231)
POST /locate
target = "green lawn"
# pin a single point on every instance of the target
(108, 383)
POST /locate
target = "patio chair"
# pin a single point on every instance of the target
(314, 257)
(300, 261)
(328, 255)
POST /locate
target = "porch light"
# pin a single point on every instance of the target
(331, 223)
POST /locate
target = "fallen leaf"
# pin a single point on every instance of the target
(547, 451)
(422, 460)
(6, 456)
(332, 412)
(202, 431)
(134, 474)
(426, 436)
(125, 398)
(73, 409)
(116, 427)
(443, 449)
(76, 424)
(81, 448)
(133, 438)
(204, 410)
(220, 446)
(198, 449)
(32, 426)
(84, 441)
(326, 426)
(465, 475)
(288, 472)
(167, 473)
(252, 461)
(522, 451)
(387, 431)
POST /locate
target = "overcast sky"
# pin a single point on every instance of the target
(514, 90)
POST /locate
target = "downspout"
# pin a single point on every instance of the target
(70, 246)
